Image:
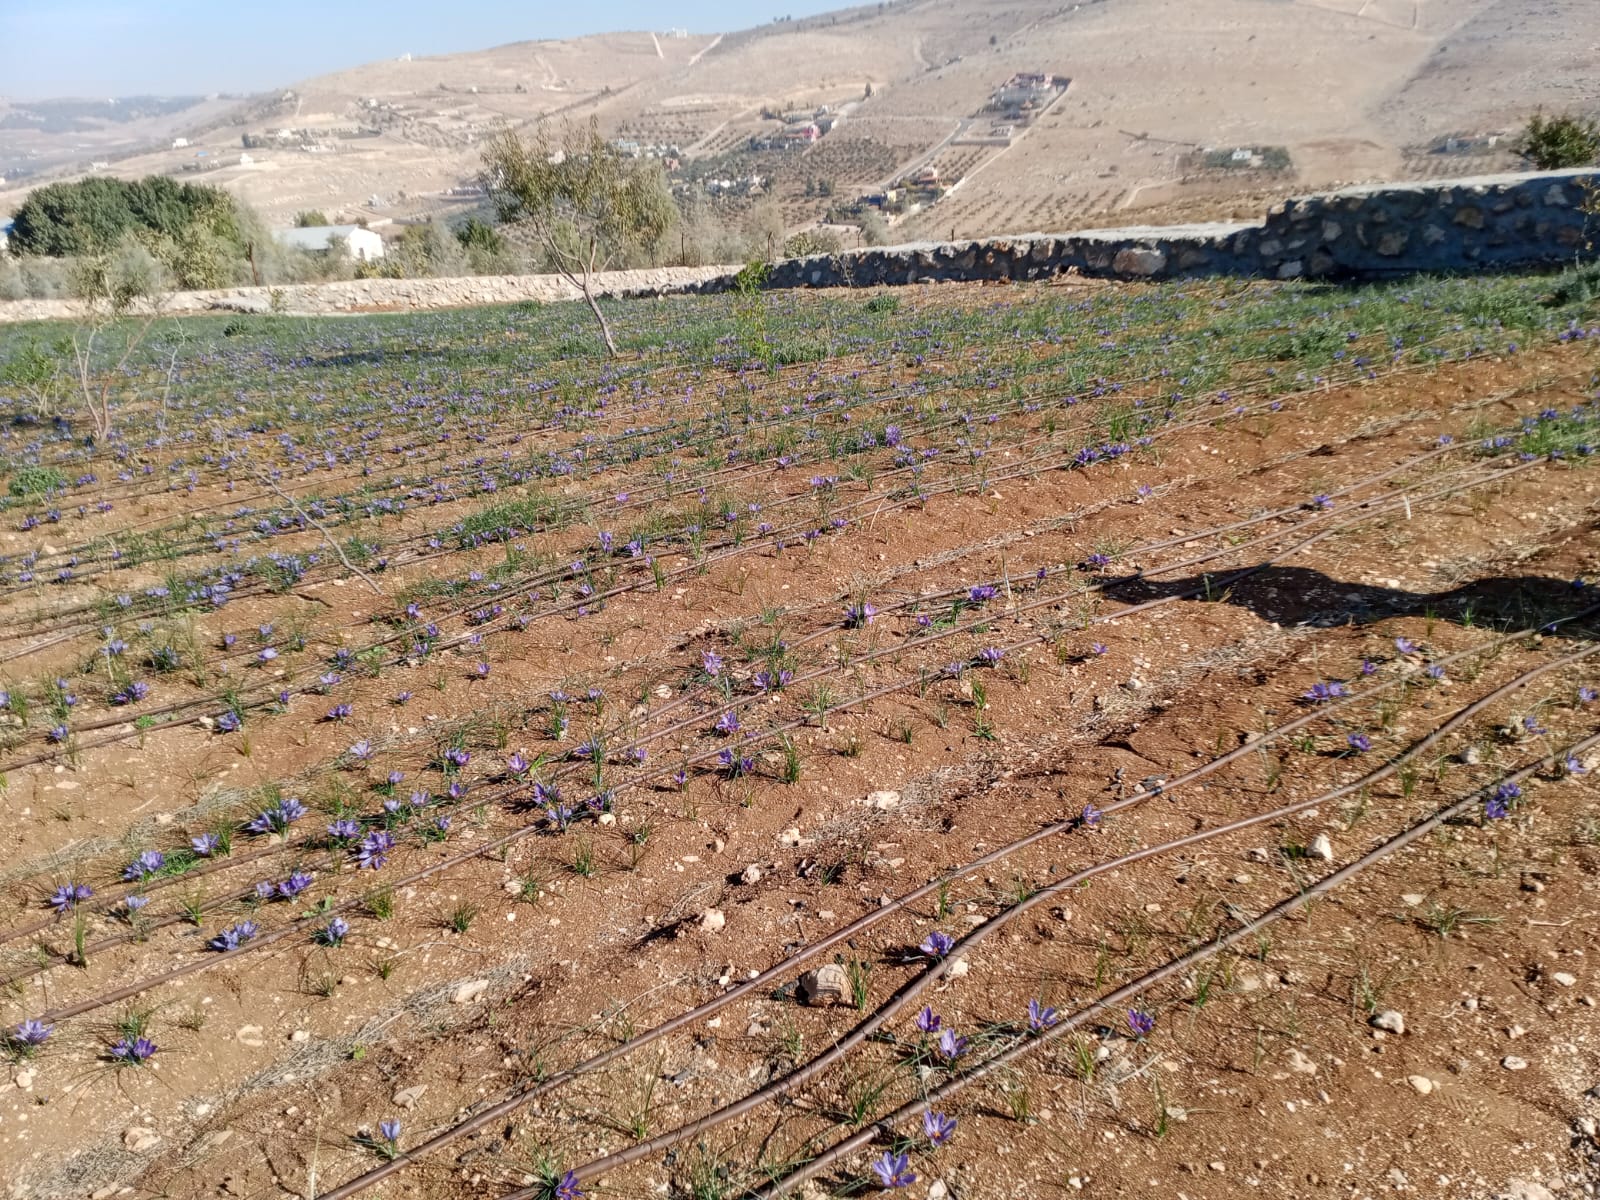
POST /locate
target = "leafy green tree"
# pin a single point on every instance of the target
(1559, 143)
(584, 203)
(311, 217)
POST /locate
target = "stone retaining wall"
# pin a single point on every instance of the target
(367, 295)
(1359, 233)
(1367, 232)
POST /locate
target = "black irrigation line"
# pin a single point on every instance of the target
(725, 402)
(734, 548)
(883, 1126)
(147, 925)
(335, 859)
(272, 937)
(1001, 408)
(497, 1112)
(233, 861)
(914, 987)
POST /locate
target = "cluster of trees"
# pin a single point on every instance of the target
(197, 234)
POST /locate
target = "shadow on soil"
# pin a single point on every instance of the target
(1301, 596)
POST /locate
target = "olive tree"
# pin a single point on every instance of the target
(584, 204)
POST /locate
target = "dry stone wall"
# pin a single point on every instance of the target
(1538, 218)
(1359, 233)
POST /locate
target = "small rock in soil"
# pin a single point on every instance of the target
(1389, 1021)
(139, 1138)
(469, 991)
(712, 921)
(1321, 847)
(1420, 1083)
(828, 984)
(1512, 1063)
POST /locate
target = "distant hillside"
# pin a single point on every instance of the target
(1173, 106)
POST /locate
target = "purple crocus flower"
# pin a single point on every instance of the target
(1040, 1017)
(937, 944)
(333, 933)
(362, 750)
(951, 1047)
(1321, 693)
(344, 829)
(711, 663)
(375, 849)
(937, 1127)
(69, 895)
(728, 722)
(1586, 695)
(297, 882)
(206, 844)
(389, 1130)
(928, 1021)
(234, 936)
(858, 615)
(133, 1052)
(894, 1170)
(1405, 645)
(147, 864)
(1091, 817)
(567, 1187)
(1141, 1022)
(991, 655)
(982, 593)
(1360, 743)
(31, 1034)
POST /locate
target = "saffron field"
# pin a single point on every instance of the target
(965, 741)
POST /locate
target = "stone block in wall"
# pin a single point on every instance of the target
(1189, 257)
(1432, 235)
(1292, 269)
(1142, 261)
(1393, 243)
(1555, 196)
(1469, 217)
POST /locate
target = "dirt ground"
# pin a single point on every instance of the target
(1157, 614)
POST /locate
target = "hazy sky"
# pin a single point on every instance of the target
(96, 48)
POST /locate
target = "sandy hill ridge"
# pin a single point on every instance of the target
(1340, 90)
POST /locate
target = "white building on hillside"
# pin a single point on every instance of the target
(362, 243)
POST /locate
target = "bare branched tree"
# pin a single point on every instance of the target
(586, 205)
(120, 308)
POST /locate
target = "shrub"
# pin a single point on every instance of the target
(1560, 142)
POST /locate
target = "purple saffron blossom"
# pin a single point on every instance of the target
(30, 1035)
(894, 1170)
(1141, 1023)
(1040, 1017)
(206, 844)
(928, 1021)
(375, 849)
(1321, 693)
(344, 829)
(291, 887)
(1359, 743)
(234, 936)
(991, 655)
(133, 1052)
(858, 615)
(711, 663)
(938, 1128)
(567, 1188)
(951, 1047)
(333, 933)
(68, 896)
(937, 944)
(147, 864)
